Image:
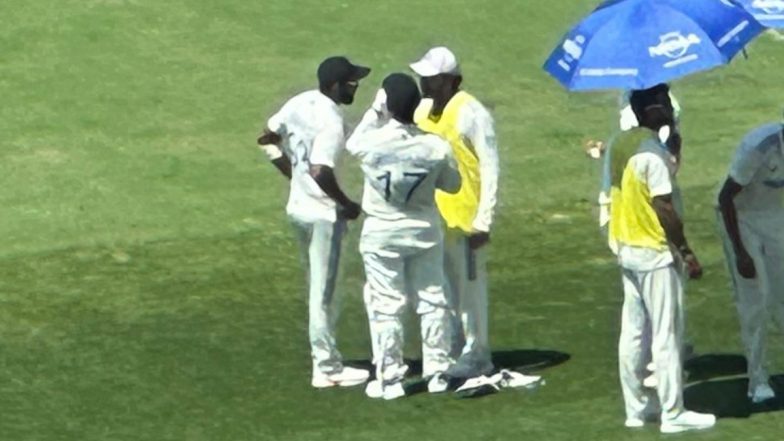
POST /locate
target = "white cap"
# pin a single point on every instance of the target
(438, 60)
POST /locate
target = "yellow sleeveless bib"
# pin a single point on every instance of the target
(633, 220)
(459, 209)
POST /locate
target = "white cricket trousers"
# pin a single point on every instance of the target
(396, 276)
(320, 249)
(652, 325)
(466, 272)
(756, 298)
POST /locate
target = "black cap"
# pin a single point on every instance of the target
(403, 96)
(339, 70)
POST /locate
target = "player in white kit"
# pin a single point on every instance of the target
(751, 206)
(402, 238)
(303, 140)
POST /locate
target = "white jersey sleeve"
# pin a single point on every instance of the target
(652, 169)
(476, 124)
(750, 155)
(375, 117)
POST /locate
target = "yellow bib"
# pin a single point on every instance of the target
(459, 209)
(633, 220)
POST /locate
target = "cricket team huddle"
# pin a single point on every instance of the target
(429, 157)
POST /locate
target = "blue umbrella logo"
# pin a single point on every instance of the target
(674, 45)
(769, 6)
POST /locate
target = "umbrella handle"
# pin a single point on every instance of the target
(745, 54)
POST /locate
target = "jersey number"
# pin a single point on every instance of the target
(300, 154)
(414, 179)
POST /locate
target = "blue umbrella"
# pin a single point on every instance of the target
(768, 12)
(636, 44)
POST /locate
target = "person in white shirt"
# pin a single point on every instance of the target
(402, 239)
(751, 207)
(646, 233)
(670, 137)
(303, 140)
(462, 120)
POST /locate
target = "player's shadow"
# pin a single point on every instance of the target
(522, 360)
(712, 392)
(707, 366)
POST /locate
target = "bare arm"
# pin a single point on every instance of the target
(673, 230)
(730, 216)
(670, 222)
(269, 143)
(326, 180)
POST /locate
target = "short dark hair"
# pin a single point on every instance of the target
(403, 96)
(643, 98)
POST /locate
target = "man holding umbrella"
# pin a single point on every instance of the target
(647, 235)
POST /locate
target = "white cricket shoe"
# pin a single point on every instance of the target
(375, 389)
(761, 392)
(634, 423)
(348, 376)
(437, 384)
(688, 420)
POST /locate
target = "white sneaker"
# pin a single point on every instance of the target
(688, 420)
(634, 423)
(375, 389)
(762, 392)
(348, 376)
(437, 384)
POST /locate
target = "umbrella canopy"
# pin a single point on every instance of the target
(768, 12)
(636, 44)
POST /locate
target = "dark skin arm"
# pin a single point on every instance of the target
(743, 260)
(325, 178)
(673, 229)
(283, 163)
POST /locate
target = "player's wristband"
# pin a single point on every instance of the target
(272, 151)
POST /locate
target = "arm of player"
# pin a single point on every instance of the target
(673, 230)
(326, 148)
(482, 137)
(375, 117)
(269, 143)
(729, 214)
(657, 178)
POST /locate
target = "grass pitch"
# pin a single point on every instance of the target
(149, 283)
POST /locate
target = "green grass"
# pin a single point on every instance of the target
(149, 284)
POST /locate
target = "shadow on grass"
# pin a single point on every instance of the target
(521, 360)
(726, 397)
(705, 367)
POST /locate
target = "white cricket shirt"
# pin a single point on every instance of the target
(403, 166)
(311, 125)
(758, 166)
